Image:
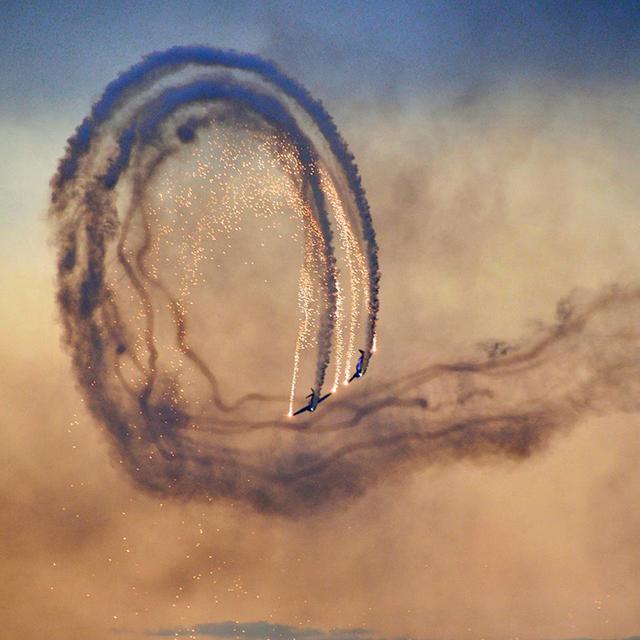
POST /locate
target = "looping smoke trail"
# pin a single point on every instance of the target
(157, 65)
(109, 232)
(190, 442)
(145, 123)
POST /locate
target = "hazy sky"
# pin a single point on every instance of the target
(498, 144)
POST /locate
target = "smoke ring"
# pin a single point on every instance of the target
(133, 129)
(508, 402)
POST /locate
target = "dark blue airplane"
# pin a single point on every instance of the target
(313, 403)
(360, 368)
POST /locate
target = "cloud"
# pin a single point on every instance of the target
(263, 630)
(629, 638)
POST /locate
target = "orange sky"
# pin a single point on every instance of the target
(488, 212)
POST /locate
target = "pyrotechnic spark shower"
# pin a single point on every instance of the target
(135, 256)
(115, 237)
(137, 110)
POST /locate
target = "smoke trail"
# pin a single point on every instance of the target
(195, 444)
(144, 130)
(273, 113)
(509, 403)
(157, 65)
(114, 156)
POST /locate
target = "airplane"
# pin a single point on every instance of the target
(360, 367)
(313, 403)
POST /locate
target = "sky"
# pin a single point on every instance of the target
(498, 146)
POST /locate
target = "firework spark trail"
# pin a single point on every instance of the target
(305, 299)
(339, 337)
(148, 132)
(157, 65)
(357, 276)
(308, 297)
(273, 112)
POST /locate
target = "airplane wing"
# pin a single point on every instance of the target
(299, 411)
(353, 377)
(323, 398)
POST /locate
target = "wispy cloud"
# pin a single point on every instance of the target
(263, 630)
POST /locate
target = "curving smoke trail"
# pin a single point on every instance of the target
(143, 130)
(157, 65)
(189, 442)
(271, 111)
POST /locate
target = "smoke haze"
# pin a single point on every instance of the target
(493, 481)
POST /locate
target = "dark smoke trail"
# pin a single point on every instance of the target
(509, 406)
(144, 131)
(503, 405)
(159, 64)
(273, 113)
(508, 403)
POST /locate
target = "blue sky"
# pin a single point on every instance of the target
(58, 56)
(56, 53)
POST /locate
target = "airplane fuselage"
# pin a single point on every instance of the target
(360, 367)
(313, 402)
